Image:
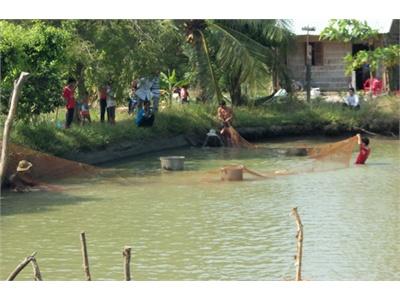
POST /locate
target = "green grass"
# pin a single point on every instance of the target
(378, 115)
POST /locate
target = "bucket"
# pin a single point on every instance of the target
(232, 173)
(172, 163)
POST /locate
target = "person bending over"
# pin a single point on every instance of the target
(225, 115)
(145, 115)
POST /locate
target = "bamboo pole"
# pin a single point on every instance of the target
(8, 124)
(127, 261)
(299, 236)
(85, 257)
(21, 266)
(36, 272)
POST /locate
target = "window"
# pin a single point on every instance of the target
(317, 53)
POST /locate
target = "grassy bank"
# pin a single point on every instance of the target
(380, 115)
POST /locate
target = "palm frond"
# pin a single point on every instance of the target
(240, 53)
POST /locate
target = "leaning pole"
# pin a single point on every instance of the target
(8, 124)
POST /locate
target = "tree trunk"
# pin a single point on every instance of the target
(371, 77)
(8, 124)
(235, 90)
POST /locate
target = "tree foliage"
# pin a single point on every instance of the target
(241, 50)
(348, 30)
(386, 56)
(39, 49)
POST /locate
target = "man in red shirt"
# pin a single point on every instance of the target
(364, 150)
(68, 94)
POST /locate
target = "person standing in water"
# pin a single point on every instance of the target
(364, 150)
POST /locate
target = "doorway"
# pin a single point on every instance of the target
(362, 73)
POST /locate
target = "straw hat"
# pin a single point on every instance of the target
(23, 166)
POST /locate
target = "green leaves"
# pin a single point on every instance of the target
(387, 56)
(240, 50)
(348, 30)
(37, 48)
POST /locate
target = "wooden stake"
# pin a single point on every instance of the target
(8, 124)
(299, 237)
(127, 261)
(85, 256)
(21, 266)
(36, 272)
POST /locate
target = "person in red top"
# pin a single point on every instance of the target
(68, 94)
(364, 150)
(103, 102)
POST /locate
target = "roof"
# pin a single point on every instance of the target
(382, 25)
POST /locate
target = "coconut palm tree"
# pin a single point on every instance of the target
(242, 50)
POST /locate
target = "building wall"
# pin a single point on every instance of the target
(330, 75)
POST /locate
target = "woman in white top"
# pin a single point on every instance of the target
(111, 104)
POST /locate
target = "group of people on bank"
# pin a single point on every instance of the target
(143, 92)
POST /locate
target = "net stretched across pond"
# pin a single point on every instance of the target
(325, 157)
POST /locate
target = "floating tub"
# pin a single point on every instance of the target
(232, 173)
(172, 163)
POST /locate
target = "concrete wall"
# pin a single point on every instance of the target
(329, 76)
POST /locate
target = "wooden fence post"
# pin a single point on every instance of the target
(127, 261)
(85, 256)
(21, 266)
(8, 124)
(299, 237)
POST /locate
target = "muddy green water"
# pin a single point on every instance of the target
(189, 226)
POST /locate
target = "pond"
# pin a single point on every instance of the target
(188, 225)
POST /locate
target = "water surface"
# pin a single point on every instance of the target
(190, 226)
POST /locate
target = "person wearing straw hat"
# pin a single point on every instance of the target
(213, 139)
(21, 180)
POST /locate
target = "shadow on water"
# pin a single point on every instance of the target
(12, 203)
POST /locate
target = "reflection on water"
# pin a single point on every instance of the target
(190, 226)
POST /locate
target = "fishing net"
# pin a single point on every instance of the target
(47, 167)
(320, 158)
(237, 140)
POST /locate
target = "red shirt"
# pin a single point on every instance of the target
(68, 95)
(363, 155)
(103, 93)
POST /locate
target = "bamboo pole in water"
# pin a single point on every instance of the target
(36, 272)
(21, 266)
(127, 261)
(85, 256)
(299, 237)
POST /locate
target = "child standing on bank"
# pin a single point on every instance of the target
(364, 150)
(85, 114)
